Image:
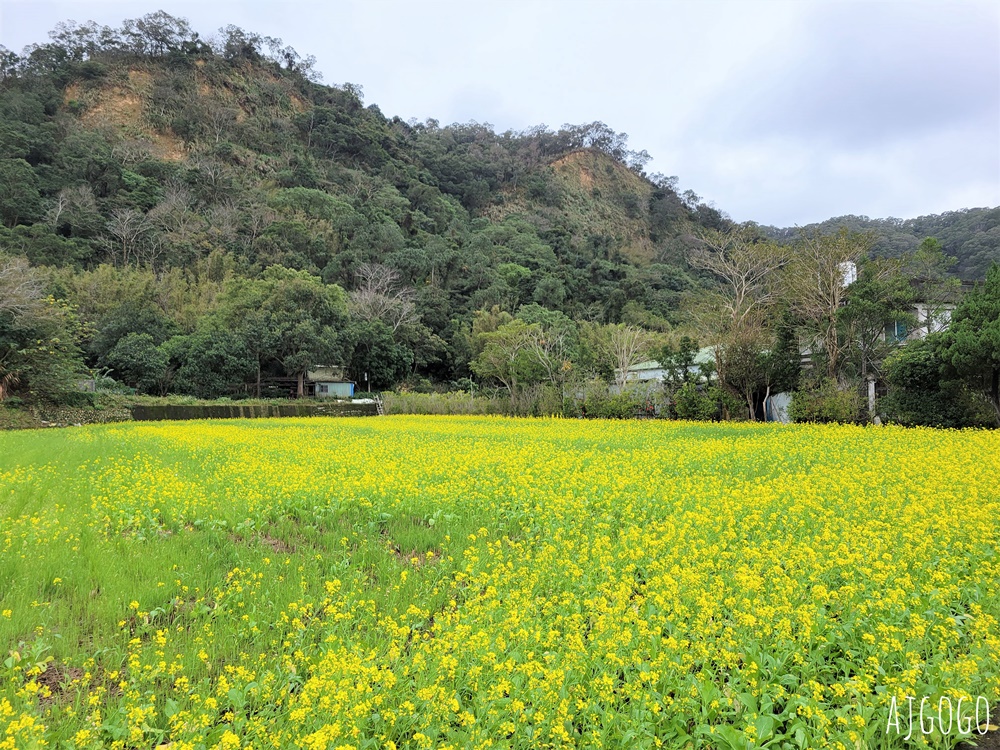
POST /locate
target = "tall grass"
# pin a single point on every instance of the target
(536, 401)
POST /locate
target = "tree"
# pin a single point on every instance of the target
(289, 317)
(211, 362)
(738, 311)
(130, 237)
(970, 348)
(616, 348)
(9, 62)
(505, 356)
(376, 359)
(937, 289)
(138, 362)
(822, 268)
(235, 43)
(553, 341)
(20, 201)
(781, 365)
(39, 357)
(679, 362)
(380, 296)
(747, 269)
(920, 395)
(881, 296)
(130, 317)
(20, 289)
(156, 33)
(75, 213)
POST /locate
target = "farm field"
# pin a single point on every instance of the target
(418, 582)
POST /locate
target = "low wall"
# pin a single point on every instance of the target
(251, 411)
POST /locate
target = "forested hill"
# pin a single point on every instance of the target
(971, 235)
(145, 146)
(149, 171)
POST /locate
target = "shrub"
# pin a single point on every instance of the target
(825, 402)
(616, 406)
(919, 396)
(703, 403)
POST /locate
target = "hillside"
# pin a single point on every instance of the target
(972, 236)
(116, 153)
(155, 177)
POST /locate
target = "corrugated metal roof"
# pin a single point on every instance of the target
(650, 364)
(705, 355)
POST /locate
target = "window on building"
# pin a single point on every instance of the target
(324, 388)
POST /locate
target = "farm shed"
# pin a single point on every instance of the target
(334, 389)
(328, 381)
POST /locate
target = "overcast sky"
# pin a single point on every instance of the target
(780, 112)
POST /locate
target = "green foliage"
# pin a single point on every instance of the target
(20, 201)
(613, 406)
(286, 317)
(919, 395)
(882, 296)
(704, 403)
(824, 402)
(39, 357)
(130, 317)
(210, 363)
(971, 236)
(970, 348)
(678, 361)
(377, 360)
(506, 356)
(43, 247)
(782, 364)
(138, 362)
(454, 402)
(215, 162)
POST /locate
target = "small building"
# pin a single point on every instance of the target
(653, 371)
(929, 319)
(648, 370)
(338, 389)
(328, 381)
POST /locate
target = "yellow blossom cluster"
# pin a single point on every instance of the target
(459, 582)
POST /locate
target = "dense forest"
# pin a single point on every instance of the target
(971, 236)
(203, 216)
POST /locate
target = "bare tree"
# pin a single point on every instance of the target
(57, 209)
(550, 349)
(256, 219)
(212, 172)
(219, 120)
(620, 347)
(748, 271)
(21, 296)
(380, 296)
(224, 219)
(822, 269)
(174, 214)
(738, 310)
(77, 207)
(131, 151)
(505, 355)
(21, 289)
(128, 231)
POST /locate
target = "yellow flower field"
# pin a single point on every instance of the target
(453, 582)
